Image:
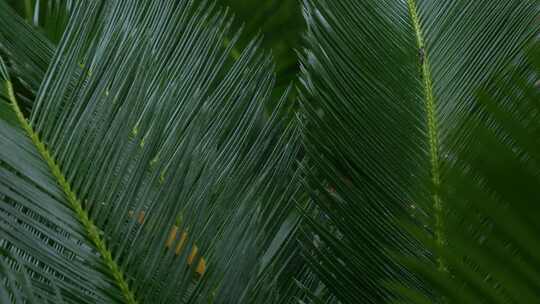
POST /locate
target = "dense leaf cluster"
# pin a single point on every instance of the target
(179, 151)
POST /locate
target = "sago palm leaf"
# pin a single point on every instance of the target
(146, 171)
(281, 33)
(387, 86)
(279, 21)
(27, 53)
(137, 165)
(50, 16)
(492, 249)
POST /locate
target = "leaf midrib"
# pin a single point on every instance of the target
(433, 139)
(74, 202)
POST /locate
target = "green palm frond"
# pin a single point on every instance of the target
(27, 53)
(37, 224)
(48, 16)
(139, 161)
(20, 287)
(286, 277)
(386, 87)
(280, 23)
(492, 251)
(147, 171)
(52, 17)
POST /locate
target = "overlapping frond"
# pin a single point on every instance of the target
(27, 52)
(386, 87)
(148, 172)
(492, 251)
(39, 235)
(17, 286)
(50, 17)
(159, 153)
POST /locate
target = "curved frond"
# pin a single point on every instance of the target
(27, 51)
(19, 288)
(386, 86)
(160, 154)
(38, 228)
(50, 17)
(492, 253)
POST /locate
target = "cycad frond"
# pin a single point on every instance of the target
(37, 227)
(138, 165)
(386, 86)
(48, 16)
(153, 144)
(492, 249)
(27, 52)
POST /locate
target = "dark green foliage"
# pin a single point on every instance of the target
(387, 86)
(281, 24)
(48, 16)
(407, 173)
(149, 122)
(492, 253)
(27, 51)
